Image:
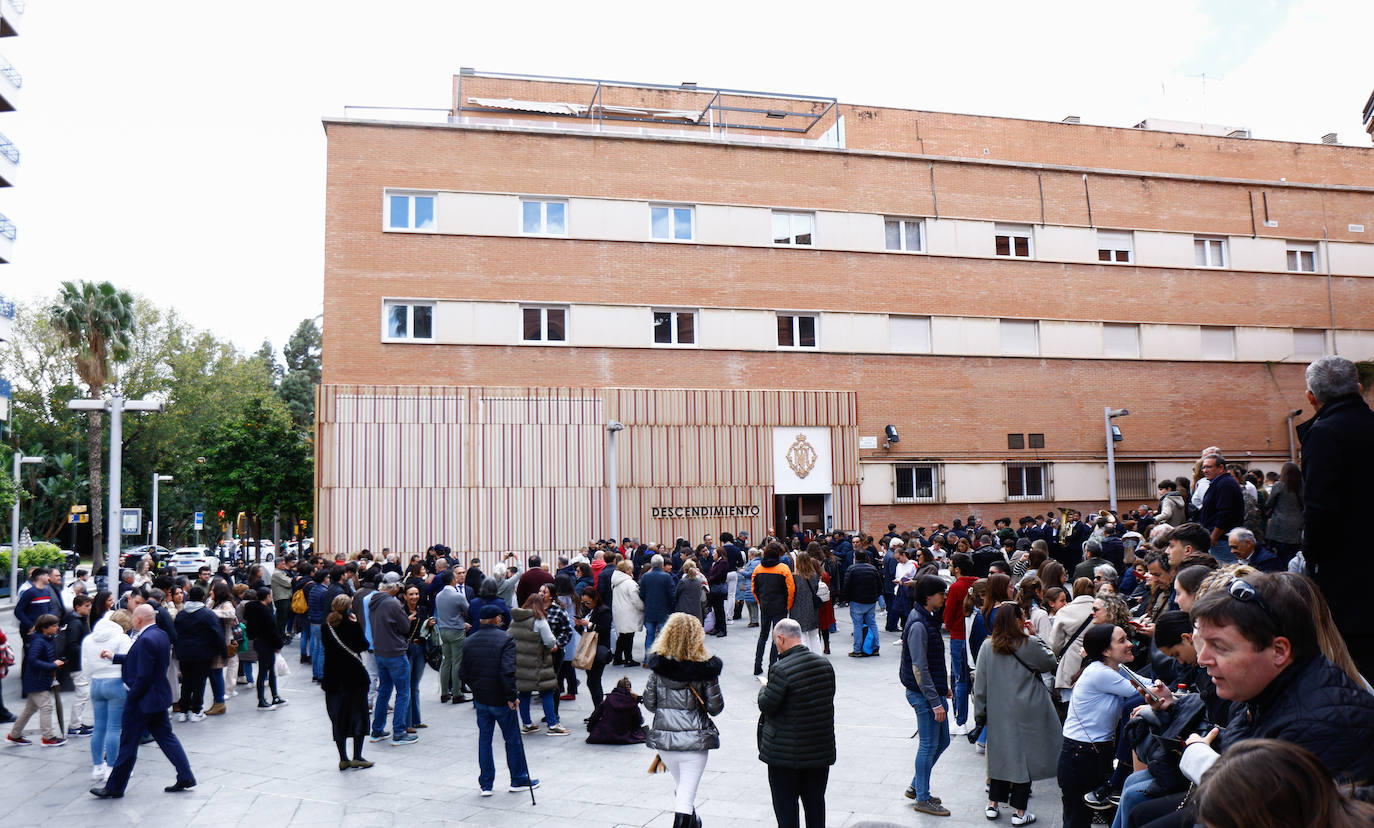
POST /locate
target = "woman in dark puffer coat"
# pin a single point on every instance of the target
(535, 646)
(683, 692)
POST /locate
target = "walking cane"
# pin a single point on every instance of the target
(520, 739)
(57, 702)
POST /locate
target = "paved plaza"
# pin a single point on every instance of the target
(280, 768)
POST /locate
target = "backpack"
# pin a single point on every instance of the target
(299, 605)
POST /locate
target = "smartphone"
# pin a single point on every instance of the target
(1138, 682)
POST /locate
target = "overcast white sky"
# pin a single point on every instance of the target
(175, 148)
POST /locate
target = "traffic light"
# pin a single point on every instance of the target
(221, 515)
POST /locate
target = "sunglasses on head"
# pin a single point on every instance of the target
(1246, 593)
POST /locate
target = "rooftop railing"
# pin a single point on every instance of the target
(7, 69)
(7, 228)
(8, 149)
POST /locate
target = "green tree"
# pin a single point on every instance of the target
(297, 387)
(59, 486)
(94, 321)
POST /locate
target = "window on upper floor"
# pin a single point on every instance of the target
(1218, 342)
(793, 228)
(1016, 442)
(1302, 257)
(904, 234)
(1013, 240)
(543, 218)
(1020, 337)
(1209, 252)
(675, 327)
(408, 321)
(1120, 340)
(1035, 441)
(1114, 246)
(1028, 481)
(541, 323)
(909, 334)
(409, 211)
(1309, 343)
(797, 330)
(671, 222)
(917, 483)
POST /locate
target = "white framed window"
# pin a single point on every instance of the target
(675, 327)
(1013, 240)
(672, 222)
(1115, 246)
(1020, 337)
(1209, 252)
(798, 330)
(917, 483)
(1218, 342)
(909, 334)
(1302, 257)
(1120, 340)
(904, 234)
(543, 323)
(794, 228)
(409, 211)
(1028, 481)
(408, 321)
(543, 218)
(1309, 343)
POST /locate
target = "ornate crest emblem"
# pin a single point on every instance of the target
(801, 456)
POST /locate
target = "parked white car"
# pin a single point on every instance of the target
(189, 560)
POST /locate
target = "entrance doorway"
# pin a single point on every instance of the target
(810, 512)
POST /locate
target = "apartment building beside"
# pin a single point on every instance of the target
(569, 309)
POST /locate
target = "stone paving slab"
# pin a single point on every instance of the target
(280, 768)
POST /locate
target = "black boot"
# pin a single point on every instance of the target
(682, 821)
(696, 820)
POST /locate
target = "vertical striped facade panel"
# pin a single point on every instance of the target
(491, 470)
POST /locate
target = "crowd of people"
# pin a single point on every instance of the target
(1154, 662)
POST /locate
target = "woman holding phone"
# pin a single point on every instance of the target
(1085, 761)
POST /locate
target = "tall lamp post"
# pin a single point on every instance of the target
(116, 405)
(20, 459)
(614, 427)
(157, 478)
(1113, 435)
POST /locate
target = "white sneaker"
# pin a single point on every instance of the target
(181, 717)
(956, 729)
(105, 772)
(197, 717)
(98, 772)
(980, 748)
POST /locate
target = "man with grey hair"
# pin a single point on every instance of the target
(1092, 559)
(1223, 505)
(1337, 454)
(1200, 487)
(797, 727)
(659, 593)
(1250, 553)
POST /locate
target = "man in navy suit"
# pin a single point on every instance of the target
(144, 673)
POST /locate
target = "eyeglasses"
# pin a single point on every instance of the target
(1244, 592)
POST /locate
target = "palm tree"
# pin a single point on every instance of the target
(95, 321)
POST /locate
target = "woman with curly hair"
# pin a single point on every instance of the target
(683, 692)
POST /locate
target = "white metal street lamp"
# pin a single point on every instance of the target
(157, 478)
(613, 428)
(116, 405)
(1113, 435)
(20, 459)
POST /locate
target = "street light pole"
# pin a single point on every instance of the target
(614, 427)
(116, 405)
(19, 460)
(157, 478)
(1108, 414)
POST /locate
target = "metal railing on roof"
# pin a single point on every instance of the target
(19, 5)
(6, 308)
(8, 149)
(7, 228)
(7, 69)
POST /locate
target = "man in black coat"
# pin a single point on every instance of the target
(862, 586)
(200, 639)
(797, 727)
(1223, 506)
(1337, 455)
(488, 668)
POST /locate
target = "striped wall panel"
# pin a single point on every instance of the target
(493, 470)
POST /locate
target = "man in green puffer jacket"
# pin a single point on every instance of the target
(797, 727)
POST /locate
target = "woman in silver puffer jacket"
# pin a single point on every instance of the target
(683, 692)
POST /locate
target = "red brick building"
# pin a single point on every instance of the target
(757, 286)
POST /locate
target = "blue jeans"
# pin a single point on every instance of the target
(862, 615)
(393, 672)
(305, 634)
(416, 656)
(1132, 795)
(1222, 552)
(107, 705)
(651, 629)
(217, 685)
(546, 700)
(934, 739)
(316, 651)
(958, 661)
(488, 717)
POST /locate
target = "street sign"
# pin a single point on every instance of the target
(130, 521)
(78, 517)
(77, 509)
(200, 521)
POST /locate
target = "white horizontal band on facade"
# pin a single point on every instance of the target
(734, 225)
(1065, 481)
(458, 322)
